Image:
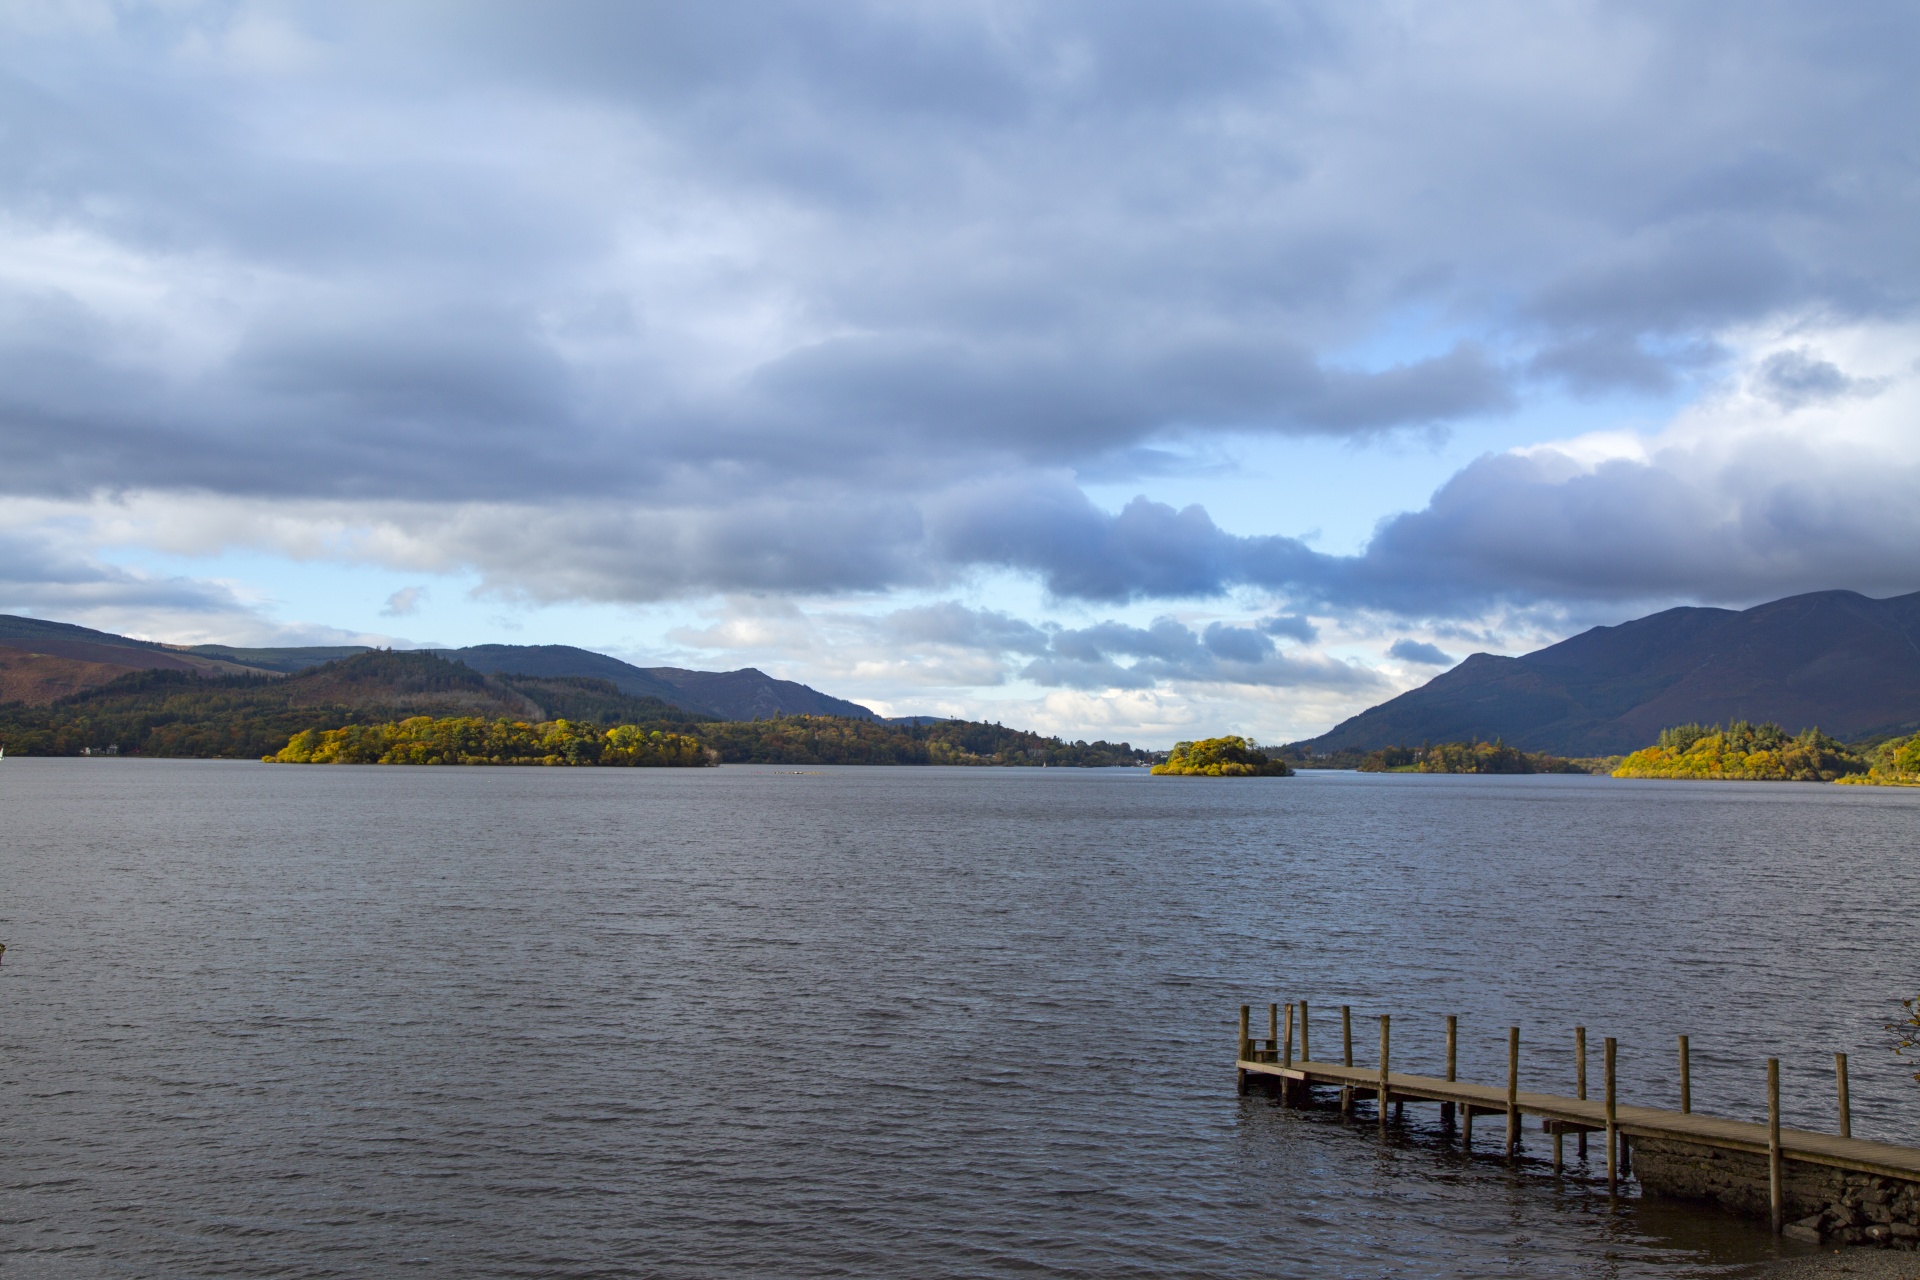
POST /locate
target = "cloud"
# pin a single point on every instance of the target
(1427, 655)
(1290, 626)
(1168, 651)
(887, 243)
(1796, 378)
(404, 602)
(632, 303)
(48, 577)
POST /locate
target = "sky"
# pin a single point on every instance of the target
(1112, 369)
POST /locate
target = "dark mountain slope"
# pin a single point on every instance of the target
(284, 659)
(1833, 659)
(565, 660)
(42, 661)
(746, 694)
(94, 657)
(752, 694)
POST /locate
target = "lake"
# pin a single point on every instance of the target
(327, 1021)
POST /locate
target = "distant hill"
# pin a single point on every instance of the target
(746, 694)
(1835, 660)
(44, 661)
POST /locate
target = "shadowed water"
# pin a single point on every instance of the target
(275, 1021)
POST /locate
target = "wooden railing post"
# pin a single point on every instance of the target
(1580, 1078)
(1613, 1129)
(1453, 1045)
(1846, 1107)
(1346, 1048)
(1385, 1024)
(1686, 1077)
(1286, 1059)
(1513, 1091)
(1273, 1028)
(1775, 1180)
(1306, 1054)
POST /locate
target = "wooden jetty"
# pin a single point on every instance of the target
(1273, 1061)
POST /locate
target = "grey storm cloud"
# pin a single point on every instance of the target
(1427, 655)
(1793, 379)
(820, 298)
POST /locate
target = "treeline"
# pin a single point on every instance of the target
(833, 740)
(1894, 762)
(1746, 752)
(1448, 757)
(472, 740)
(787, 740)
(1742, 752)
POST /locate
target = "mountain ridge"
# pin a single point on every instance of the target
(1835, 660)
(42, 661)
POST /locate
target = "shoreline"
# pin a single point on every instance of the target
(1856, 1261)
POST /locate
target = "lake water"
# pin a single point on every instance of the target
(276, 1021)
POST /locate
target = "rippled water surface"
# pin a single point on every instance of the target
(272, 1021)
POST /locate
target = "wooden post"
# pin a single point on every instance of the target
(1613, 1131)
(1346, 1046)
(1306, 1055)
(1385, 1024)
(1286, 1059)
(1453, 1042)
(1846, 1107)
(1775, 1181)
(1686, 1077)
(1273, 1027)
(1246, 1014)
(1513, 1091)
(1580, 1077)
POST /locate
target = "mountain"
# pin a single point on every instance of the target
(44, 661)
(746, 694)
(41, 661)
(1835, 660)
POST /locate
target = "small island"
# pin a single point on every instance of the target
(1227, 757)
(473, 740)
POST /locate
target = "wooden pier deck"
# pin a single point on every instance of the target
(1619, 1124)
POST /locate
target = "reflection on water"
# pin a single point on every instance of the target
(335, 1021)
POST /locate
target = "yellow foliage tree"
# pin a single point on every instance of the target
(1228, 757)
(471, 740)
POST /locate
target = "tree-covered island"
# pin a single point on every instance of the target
(1227, 757)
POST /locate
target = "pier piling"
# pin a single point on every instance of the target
(1513, 1091)
(1386, 1024)
(1346, 1040)
(1686, 1077)
(1246, 1042)
(1580, 1080)
(1846, 1107)
(1613, 1123)
(1776, 1175)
